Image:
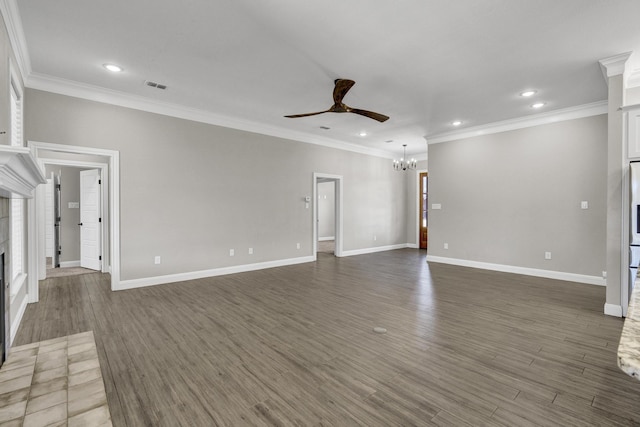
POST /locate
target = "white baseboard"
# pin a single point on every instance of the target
(558, 275)
(16, 323)
(413, 245)
(613, 310)
(374, 249)
(181, 277)
(324, 239)
(67, 264)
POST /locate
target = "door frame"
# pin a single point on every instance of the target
(104, 195)
(338, 207)
(418, 198)
(36, 211)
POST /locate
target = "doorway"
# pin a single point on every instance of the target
(327, 214)
(73, 219)
(423, 210)
(108, 163)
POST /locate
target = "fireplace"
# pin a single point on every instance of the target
(19, 176)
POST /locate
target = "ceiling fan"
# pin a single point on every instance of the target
(340, 90)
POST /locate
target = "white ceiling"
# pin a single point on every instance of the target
(424, 63)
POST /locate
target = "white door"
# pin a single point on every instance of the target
(48, 218)
(90, 225)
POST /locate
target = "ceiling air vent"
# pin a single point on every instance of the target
(154, 84)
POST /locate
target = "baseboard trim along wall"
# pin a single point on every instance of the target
(181, 277)
(558, 275)
(613, 310)
(374, 249)
(16, 324)
(325, 239)
(67, 264)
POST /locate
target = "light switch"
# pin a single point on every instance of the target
(74, 205)
(584, 205)
(436, 206)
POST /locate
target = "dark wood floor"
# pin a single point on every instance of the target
(294, 346)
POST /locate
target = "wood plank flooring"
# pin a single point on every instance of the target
(294, 346)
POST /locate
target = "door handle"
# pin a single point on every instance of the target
(80, 224)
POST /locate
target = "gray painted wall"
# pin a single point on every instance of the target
(326, 209)
(192, 191)
(509, 197)
(632, 96)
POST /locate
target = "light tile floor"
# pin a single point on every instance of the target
(54, 383)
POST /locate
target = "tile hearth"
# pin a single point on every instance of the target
(57, 382)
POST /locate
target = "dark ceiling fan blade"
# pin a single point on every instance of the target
(294, 116)
(341, 89)
(375, 116)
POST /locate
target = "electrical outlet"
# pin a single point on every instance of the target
(604, 274)
(297, 245)
(584, 205)
(547, 255)
(446, 246)
(232, 252)
(156, 260)
(250, 251)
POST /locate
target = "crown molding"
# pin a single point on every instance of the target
(99, 94)
(614, 65)
(578, 112)
(13, 23)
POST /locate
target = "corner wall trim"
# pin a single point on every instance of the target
(613, 310)
(548, 274)
(374, 249)
(16, 324)
(181, 277)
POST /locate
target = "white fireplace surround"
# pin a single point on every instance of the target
(19, 172)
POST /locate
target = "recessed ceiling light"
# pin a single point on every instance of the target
(363, 133)
(113, 68)
(456, 123)
(528, 93)
(538, 105)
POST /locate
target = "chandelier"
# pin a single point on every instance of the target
(402, 164)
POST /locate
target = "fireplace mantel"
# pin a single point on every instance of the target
(19, 172)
